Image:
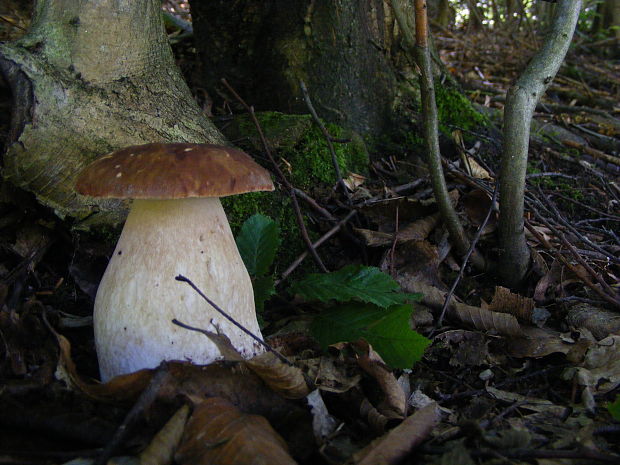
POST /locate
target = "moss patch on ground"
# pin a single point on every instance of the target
(303, 153)
(454, 109)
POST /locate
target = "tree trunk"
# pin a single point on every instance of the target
(90, 77)
(445, 13)
(603, 17)
(342, 50)
(475, 16)
(616, 18)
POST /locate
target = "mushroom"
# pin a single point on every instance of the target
(176, 225)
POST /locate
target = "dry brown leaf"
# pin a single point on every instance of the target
(223, 379)
(384, 211)
(505, 301)
(353, 181)
(600, 372)
(476, 204)
(476, 170)
(416, 231)
(286, 380)
(537, 342)
(413, 261)
(600, 322)
(531, 403)
(219, 433)
(399, 442)
(394, 403)
(120, 389)
(468, 348)
(160, 450)
(500, 323)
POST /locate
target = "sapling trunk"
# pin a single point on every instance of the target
(420, 48)
(520, 105)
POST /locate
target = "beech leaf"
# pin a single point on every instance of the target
(387, 330)
(258, 242)
(353, 282)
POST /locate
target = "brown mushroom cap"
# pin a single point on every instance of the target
(173, 171)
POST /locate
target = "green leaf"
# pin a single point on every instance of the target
(263, 289)
(258, 242)
(353, 282)
(387, 330)
(614, 408)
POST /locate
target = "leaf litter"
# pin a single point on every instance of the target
(512, 378)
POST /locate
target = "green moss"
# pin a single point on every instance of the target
(302, 147)
(305, 158)
(454, 109)
(554, 183)
(311, 160)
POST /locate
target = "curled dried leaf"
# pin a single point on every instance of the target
(398, 443)
(394, 402)
(160, 450)
(286, 380)
(219, 433)
(505, 301)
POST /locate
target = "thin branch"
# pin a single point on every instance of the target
(420, 50)
(541, 239)
(283, 179)
(145, 400)
(466, 258)
(183, 279)
(323, 238)
(328, 138)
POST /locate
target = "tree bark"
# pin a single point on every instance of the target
(342, 50)
(88, 78)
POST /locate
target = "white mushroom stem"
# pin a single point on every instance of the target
(138, 295)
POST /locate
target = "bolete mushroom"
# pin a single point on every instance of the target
(176, 225)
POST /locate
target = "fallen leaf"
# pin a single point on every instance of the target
(601, 323)
(286, 380)
(531, 403)
(323, 424)
(395, 445)
(505, 301)
(160, 450)
(416, 231)
(394, 402)
(219, 433)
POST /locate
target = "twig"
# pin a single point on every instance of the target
(393, 248)
(569, 226)
(418, 47)
(183, 279)
(11, 22)
(310, 201)
(541, 239)
(283, 179)
(325, 236)
(147, 397)
(548, 174)
(328, 138)
(472, 246)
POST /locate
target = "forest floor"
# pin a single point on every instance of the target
(508, 378)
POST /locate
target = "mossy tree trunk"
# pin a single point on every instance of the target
(87, 78)
(347, 53)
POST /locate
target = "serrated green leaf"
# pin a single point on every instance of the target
(258, 242)
(263, 289)
(353, 282)
(387, 330)
(614, 408)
